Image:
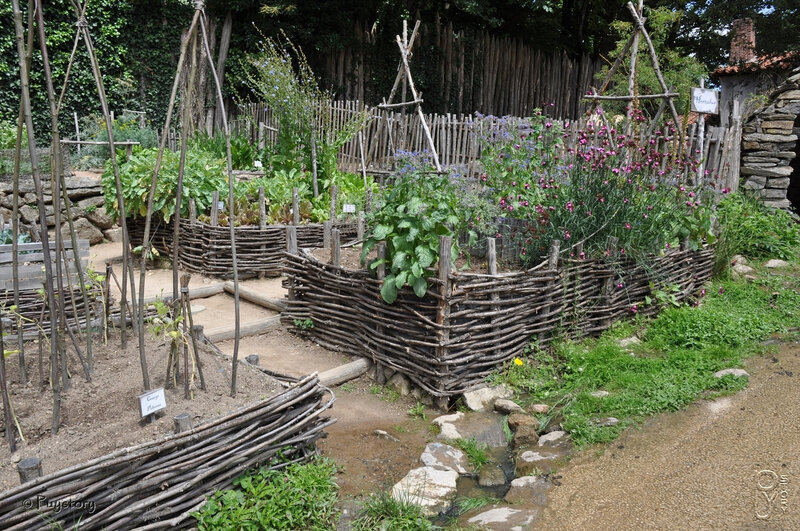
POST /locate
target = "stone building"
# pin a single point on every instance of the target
(764, 93)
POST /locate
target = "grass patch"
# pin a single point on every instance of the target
(673, 366)
(382, 511)
(464, 505)
(300, 496)
(477, 453)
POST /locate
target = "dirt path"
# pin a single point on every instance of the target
(733, 463)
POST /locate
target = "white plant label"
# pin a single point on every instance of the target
(152, 401)
(348, 208)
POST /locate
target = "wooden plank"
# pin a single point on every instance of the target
(253, 296)
(37, 246)
(343, 373)
(253, 328)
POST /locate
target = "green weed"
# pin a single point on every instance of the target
(468, 504)
(418, 411)
(477, 453)
(383, 511)
(300, 496)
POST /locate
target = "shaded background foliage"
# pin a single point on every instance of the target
(138, 40)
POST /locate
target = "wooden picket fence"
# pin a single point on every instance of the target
(456, 138)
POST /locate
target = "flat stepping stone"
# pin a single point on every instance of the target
(736, 372)
(527, 489)
(505, 518)
(444, 456)
(479, 399)
(776, 264)
(431, 488)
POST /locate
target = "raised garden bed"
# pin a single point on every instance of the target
(206, 248)
(468, 324)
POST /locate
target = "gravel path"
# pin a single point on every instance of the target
(733, 463)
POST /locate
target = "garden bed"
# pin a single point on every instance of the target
(206, 248)
(131, 473)
(468, 324)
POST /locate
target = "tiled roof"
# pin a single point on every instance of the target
(782, 61)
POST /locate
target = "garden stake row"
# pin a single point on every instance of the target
(26, 105)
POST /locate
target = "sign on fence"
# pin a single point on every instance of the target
(705, 101)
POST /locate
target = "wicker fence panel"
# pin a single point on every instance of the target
(489, 319)
(206, 249)
(158, 484)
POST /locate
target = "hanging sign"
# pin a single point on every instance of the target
(705, 101)
(152, 401)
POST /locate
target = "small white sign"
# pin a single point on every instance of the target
(152, 401)
(348, 208)
(705, 101)
(221, 205)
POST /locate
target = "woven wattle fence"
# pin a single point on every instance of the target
(158, 484)
(206, 249)
(468, 324)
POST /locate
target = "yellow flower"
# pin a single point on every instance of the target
(518, 361)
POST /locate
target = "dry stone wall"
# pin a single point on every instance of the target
(84, 190)
(769, 143)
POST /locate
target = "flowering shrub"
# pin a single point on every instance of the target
(514, 152)
(608, 185)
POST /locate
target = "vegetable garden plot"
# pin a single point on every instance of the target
(158, 484)
(467, 325)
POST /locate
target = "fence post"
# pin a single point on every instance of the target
(215, 209)
(192, 211)
(335, 249)
(380, 376)
(360, 227)
(334, 191)
(326, 234)
(608, 285)
(291, 247)
(445, 290)
(295, 207)
(552, 265)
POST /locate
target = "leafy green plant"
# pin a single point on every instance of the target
(383, 511)
(300, 496)
(203, 175)
(681, 350)
(477, 453)
(126, 128)
(304, 324)
(243, 153)
(418, 411)
(416, 210)
(748, 227)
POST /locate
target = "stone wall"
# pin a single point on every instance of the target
(769, 143)
(84, 190)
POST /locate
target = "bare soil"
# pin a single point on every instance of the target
(101, 416)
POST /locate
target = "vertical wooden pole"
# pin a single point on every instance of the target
(380, 376)
(262, 209)
(361, 226)
(295, 207)
(334, 191)
(443, 311)
(326, 234)
(215, 209)
(192, 211)
(9, 421)
(608, 284)
(335, 249)
(291, 248)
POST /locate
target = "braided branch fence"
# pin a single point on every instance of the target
(468, 324)
(158, 484)
(206, 249)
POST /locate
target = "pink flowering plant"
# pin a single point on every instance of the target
(515, 153)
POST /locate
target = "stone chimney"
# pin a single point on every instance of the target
(743, 41)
